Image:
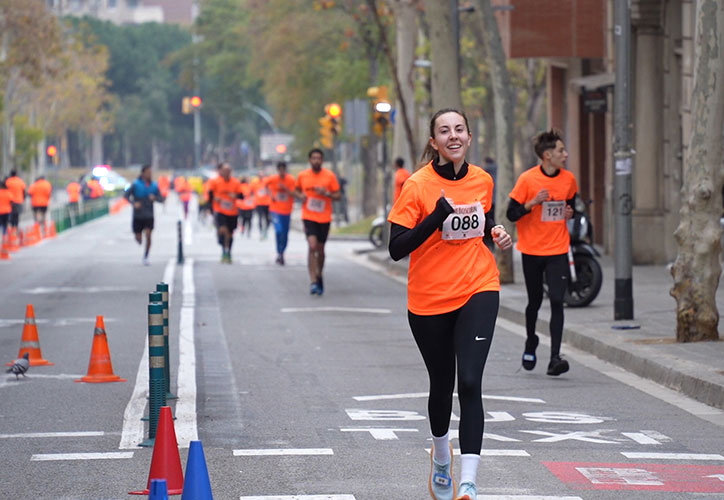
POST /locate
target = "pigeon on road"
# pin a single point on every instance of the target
(20, 366)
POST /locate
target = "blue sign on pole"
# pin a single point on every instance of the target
(393, 115)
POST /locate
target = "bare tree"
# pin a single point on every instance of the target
(443, 55)
(503, 109)
(697, 269)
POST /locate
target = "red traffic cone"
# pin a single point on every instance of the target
(29, 342)
(100, 368)
(165, 461)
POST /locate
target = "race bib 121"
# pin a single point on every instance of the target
(553, 211)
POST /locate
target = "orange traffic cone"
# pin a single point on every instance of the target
(51, 229)
(29, 342)
(5, 249)
(100, 368)
(165, 462)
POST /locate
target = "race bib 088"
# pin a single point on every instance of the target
(553, 211)
(468, 221)
(316, 205)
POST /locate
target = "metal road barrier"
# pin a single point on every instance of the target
(66, 216)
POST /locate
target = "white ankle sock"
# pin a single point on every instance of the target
(441, 447)
(469, 467)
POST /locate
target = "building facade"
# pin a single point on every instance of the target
(127, 11)
(579, 51)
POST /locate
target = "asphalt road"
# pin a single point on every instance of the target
(302, 397)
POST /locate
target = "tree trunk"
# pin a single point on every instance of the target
(97, 149)
(368, 157)
(222, 133)
(443, 55)
(404, 141)
(503, 109)
(696, 269)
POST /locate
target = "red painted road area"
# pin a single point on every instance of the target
(650, 477)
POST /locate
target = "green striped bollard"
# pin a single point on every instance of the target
(163, 288)
(156, 364)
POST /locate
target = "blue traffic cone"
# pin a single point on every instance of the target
(196, 484)
(158, 490)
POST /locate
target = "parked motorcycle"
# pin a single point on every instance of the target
(376, 234)
(586, 274)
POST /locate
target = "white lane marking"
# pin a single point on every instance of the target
(412, 395)
(168, 273)
(282, 452)
(379, 434)
(364, 310)
(186, 428)
(708, 413)
(11, 381)
(640, 438)
(188, 232)
(53, 322)
(73, 289)
(493, 453)
(133, 428)
(114, 455)
(301, 497)
(524, 497)
(52, 434)
(672, 456)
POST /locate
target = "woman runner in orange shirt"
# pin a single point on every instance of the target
(440, 220)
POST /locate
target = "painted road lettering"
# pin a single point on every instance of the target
(650, 477)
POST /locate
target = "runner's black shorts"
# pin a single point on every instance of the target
(318, 229)
(226, 220)
(40, 210)
(140, 224)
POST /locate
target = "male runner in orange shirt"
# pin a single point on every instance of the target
(40, 192)
(224, 192)
(317, 187)
(281, 189)
(540, 204)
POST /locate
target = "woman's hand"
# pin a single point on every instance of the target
(501, 237)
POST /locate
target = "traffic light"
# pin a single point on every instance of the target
(186, 106)
(381, 106)
(334, 112)
(195, 102)
(326, 131)
(51, 151)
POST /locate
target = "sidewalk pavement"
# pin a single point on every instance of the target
(651, 351)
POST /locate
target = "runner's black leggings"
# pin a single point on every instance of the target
(465, 336)
(556, 272)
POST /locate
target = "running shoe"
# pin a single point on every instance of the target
(320, 285)
(146, 262)
(281, 260)
(441, 483)
(529, 358)
(314, 289)
(557, 366)
(467, 491)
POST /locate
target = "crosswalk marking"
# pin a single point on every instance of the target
(114, 455)
(282, 451)
(301, 497)
(494, 453)
(52, 434)
(672, 456)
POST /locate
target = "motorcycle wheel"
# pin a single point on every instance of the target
(588, 283)
(376, 236)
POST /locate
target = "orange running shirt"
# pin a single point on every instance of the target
(5, 202)
(224, 193)
(73, 190)
(261, 193)
(17, 187)
(317, 208)
(400, 177)
(248, 202)
(543, 230)
(39, 192)
(282, 201)
(444, 274)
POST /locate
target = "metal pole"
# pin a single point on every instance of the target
(623, 163)
(197, 137)
(180, 252)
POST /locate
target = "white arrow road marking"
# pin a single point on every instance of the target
(379, 433)
(413, 395)
(720, 477)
